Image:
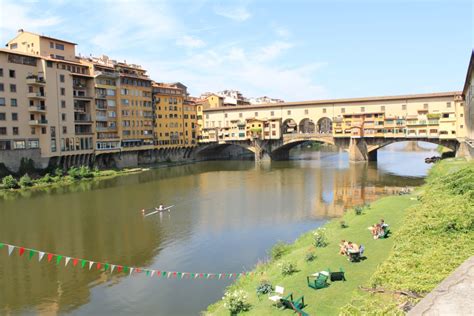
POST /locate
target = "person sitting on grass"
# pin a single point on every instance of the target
(343, 247)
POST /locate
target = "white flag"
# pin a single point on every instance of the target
(131, 270)
(10, 249)
(67, 261)
(152, 272)
(112, 268)
(196, 275)
(91, 263)
(220, 276)
(40, 255)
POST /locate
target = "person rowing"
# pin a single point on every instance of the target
(159, 208)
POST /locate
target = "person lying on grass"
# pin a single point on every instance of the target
(343, 247)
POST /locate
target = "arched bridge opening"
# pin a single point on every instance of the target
(224, 151)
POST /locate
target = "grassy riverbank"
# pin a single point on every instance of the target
(431, 238)
(60, 178)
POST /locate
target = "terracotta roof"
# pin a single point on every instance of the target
(340, 101)
(43, 36)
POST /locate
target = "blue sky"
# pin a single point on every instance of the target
(295, 50)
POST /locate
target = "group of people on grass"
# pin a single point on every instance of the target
(379, 230)
(348, 247)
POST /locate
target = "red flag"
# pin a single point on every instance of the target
(22, 251)
(119, 268)
(138, 270)
(201, 275)
(158, 273)
(98, 265)
(50, 257)
(174, 274)
(74, 261)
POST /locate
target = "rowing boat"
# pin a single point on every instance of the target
(159, 211)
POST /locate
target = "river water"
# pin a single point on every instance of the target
(227, 215)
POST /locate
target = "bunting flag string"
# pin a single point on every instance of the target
(109, 267)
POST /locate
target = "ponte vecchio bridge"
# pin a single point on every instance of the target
(360, 126)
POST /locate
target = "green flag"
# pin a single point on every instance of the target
(164, 274)
(58, 259)
(32, 253)
(106, 267)
(83, 263)
(179, 275)
(147, 272)
(125, 269)
(1, 245)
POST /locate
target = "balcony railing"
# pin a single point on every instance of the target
(34, 80)
(36, 95)
(82, 118)
(38, 122)
(37, 108)
(101, 118)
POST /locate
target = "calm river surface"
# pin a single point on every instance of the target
(227, 215)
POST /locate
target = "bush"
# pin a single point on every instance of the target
(25, 181)
(85, 172)
(58, 172)
(320, 238)
(358, 210)
(310, 256)
(287, 268)
(74, 172)
(279, 250)
(343, 224)
(46, 179)
(9, 182)
(236, 301)
(264, 288)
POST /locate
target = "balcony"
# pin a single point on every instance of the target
(36, 95)
(80, 95)
(100, 95)
(101, 118)
(41, 122)
(37, 109)
(35, 80)
(106, 128)
(82, 118)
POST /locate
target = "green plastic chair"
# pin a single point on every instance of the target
(320, 282)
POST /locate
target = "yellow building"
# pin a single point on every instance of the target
(134, 107)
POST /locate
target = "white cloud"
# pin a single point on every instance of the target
(238, 14)
(272, 51)
(190, 42)
(15, 16)
(282, 32)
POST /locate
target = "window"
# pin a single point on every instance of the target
(1, 72)
(49, 64)
(15, 130)
(64, 129)
(272, 113)
(59, 46)
(63, 117)
(12, 87)
(51, 45)
(362, 109)
(14, 116)
(63, 91)
(13, 102)
(343, 110)
(425, 106)
(43, 130)
(3, 131)
(404, 107)
(63, 104)
(448, 104)
(33, 144)
(61, 78)
(240, 115)
(12, 73)
(306, 111)
(3, 117)
(13, 46)
(289, 112)
(19, 144)
(33, 131)
(1, 87)
(256, 114)
(324, 110)
(225, 115)
(382, 108)
(2, 101)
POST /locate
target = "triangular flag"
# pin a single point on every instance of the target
(58, 259)
(106, 267)
(10, 249)
(125, 269)
(98, 265)
(138, 270)
(152, 272)
(119, 268)
(174, 274)
(147, 272)
(196, 275)
(83, 263)
(22, 251)
(158, 273)
(112, 268)
(131, 270)
(50, 257)
(66, 261)
(1, 245)
(220, 276)
(31, 254)
(40, 255)
(164, 274)
(74, 261)
(91, 263)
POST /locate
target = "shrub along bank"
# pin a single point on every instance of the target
(431, 237)
(59, 177)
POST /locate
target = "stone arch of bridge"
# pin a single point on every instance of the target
(289, 126)
(283, 151)
(209, 150)
(451, 144)
(307, 126)
(324, 125)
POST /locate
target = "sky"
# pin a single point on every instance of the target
(293, 50)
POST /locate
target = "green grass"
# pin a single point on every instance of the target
(431, 238)
(326, 301)
(437, 236)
